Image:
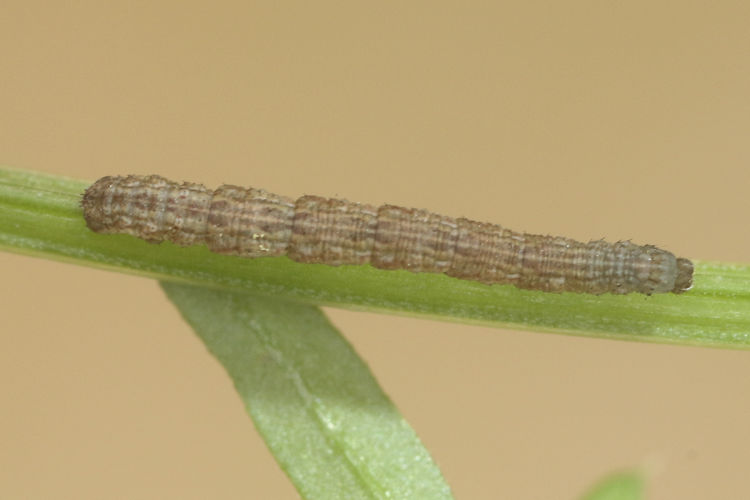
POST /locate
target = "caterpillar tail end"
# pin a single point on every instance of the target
(91, 204)
(684, 280)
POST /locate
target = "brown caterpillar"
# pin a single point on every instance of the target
(252, 222)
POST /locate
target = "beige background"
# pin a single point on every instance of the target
(588, 119)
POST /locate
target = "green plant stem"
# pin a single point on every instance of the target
(40, 215)
(628, 485)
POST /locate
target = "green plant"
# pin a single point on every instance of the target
(302, 383)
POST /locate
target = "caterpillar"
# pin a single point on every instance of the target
(250, 222)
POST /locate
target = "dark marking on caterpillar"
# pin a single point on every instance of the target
(251, 222)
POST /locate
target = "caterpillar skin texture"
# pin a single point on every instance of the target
(251, 222)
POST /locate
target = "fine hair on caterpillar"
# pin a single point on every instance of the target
(251, 222)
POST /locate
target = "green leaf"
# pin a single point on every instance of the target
(620, 486)
(313, 400)
(40, 215)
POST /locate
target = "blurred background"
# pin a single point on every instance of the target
(617, 120)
